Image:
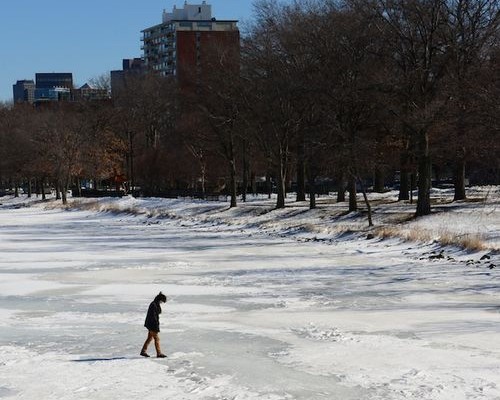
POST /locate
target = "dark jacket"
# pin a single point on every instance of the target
(153, 317)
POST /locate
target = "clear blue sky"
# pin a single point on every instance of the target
(87, 38)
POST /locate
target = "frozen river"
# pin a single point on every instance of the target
(249, 316)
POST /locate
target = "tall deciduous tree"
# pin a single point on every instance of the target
(472, 32)
(414, 33)
(278, 104)
(219, 93)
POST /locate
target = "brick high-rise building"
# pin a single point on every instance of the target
(179, 45)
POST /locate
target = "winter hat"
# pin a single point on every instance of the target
(161, 297)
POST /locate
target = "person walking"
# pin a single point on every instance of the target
(152, 323)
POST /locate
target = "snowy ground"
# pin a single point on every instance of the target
(301, 308)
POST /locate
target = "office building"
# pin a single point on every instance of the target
(131, 67)
(54, 79)
(53, 86)
(24, 91)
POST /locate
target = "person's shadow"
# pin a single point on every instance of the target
(103, 359)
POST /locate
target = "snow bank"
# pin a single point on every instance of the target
(473, 223)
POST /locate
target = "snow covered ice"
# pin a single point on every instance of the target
(256, 310)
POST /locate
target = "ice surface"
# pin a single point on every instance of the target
(251, 314)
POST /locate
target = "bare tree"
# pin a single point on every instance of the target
(471, 34)
(414, 33)
(102, 81)
(60, 138)
(272, 73)
(102, 149)
(16, 145)
(219, 96)
(145, 111)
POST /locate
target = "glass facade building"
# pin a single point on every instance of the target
(24, 91)
(54, 79)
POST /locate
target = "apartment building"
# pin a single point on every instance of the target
(177, 46)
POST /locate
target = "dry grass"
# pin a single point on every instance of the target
(97, 206)
(472, 242)
(467, 241)
(386, 232)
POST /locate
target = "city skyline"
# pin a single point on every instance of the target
(87, 39)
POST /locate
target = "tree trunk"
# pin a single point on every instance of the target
(63, 196)
(269, 185)
(459, 166)
(378, 185)
(404, 178)
(404, 186)
(459, 176)
(288, 185)
(280, 203)
(367, 203)
(437, 174)
(131, 162)
(301, 176)
(312, 192)
(281, 183)
(203, 178)
(29, 187)
(233, 183)
(412, 186)
(351, 187)
(253, 183)
(245, 176)
(16, 189)
(58, 192)
(424, 177)
(64, 189)
(42, 185)
(341, 188)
